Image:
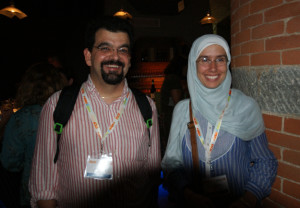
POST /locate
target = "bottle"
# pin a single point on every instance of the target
(152, 90)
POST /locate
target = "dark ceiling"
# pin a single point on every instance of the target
(56, 26)
(157, 7)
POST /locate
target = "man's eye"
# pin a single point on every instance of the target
(104, 49)
(124, 50)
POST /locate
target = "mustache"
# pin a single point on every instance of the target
(113, 62)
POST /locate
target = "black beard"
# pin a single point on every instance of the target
(112, 78)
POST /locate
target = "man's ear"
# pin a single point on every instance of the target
(87, 56)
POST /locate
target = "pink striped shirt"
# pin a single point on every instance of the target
(135, 164)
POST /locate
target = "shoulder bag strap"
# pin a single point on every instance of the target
(191, 127)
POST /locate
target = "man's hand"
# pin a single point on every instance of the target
(46, 203)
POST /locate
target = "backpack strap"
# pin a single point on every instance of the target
(63, 111)
(66, 102)
(144, 107)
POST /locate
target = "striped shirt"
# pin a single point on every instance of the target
(248, 165)
(135, 164)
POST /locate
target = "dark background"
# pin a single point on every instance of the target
(57, 27)
(52, 27)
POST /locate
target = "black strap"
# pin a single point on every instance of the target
(144, 106)
(63, 111)
(66, 102)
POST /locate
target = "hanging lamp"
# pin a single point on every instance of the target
(208, 19)
(12, 11)
(123, 14)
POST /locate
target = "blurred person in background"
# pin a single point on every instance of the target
(172, 91)
(39, 82)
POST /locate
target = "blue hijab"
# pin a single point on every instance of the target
(243, 117)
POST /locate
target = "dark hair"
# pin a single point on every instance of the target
(39, 82)
(176, 65)
(110, 23)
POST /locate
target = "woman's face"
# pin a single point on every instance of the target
(212, 66)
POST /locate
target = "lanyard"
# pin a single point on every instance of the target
(209, 148)
(94, 119)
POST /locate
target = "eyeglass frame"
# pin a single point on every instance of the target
(209, 61)
(107, 49)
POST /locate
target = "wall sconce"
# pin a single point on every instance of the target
(123, 14)
(12, 11)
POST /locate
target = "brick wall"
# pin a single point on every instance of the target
(283, 134)
(267, 33)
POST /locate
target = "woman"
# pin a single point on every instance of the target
(236, 168)
(39, 82)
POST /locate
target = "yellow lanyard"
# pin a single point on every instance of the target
(94, 119)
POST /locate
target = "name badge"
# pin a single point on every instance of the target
(100, 168)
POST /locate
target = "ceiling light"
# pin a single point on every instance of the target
(208, 19)
(12, 11)
(123, 14)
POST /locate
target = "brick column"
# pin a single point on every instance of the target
(265, 46)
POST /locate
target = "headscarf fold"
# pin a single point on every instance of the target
(243, 117)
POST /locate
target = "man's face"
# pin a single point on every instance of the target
(109, 59)
(212, 66)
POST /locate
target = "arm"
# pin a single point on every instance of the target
(12, 155)
(264, 168)
(262, 172)
(172, 163)
(44, 177)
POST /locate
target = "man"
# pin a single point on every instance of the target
(106, 157)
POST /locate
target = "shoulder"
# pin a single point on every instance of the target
(182, 105)
(243, 101)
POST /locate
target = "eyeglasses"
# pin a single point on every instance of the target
(106, 50)
(205, 61)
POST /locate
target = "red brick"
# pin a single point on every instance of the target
(291, 156)
(234, 4)
(292, 125)
(272, 122)
(283, 140)
(261, 59)
(242, 2)
(259, 5)
(235, 27)
(284, 11)
(293, 25)
(288, 171)
(284, 200)
(241, 61)
(283, 42)
(235, 51)
(253, 47)
(276, 151)
(277, 184)
(252, 20)
(268, 30)
(242, 36)
(240, 13)
(291, 188)
(268, 203)
(291, 57)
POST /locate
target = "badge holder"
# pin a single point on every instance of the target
(99, 167)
